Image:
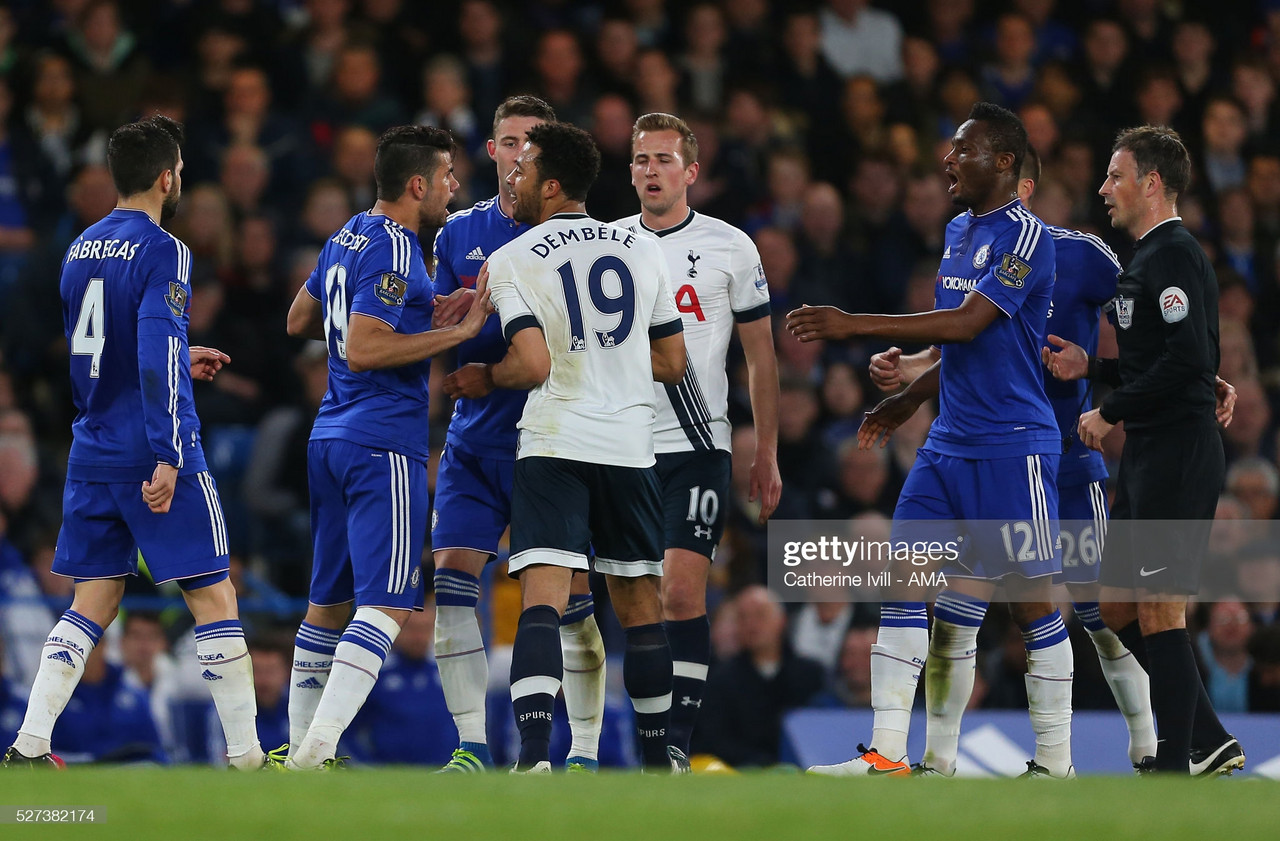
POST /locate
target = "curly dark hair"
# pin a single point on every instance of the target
(137, 153)
(406, 151)
(566, 154)
(1004, 130)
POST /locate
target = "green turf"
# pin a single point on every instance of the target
(179, 804)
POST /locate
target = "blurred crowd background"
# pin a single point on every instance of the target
(822, 126)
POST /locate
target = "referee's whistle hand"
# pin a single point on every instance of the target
(1093, 429)
(1070, 362)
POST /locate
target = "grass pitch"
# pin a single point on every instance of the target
(188, 803)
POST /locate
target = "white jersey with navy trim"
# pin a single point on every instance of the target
(599, 293)
(718, 280)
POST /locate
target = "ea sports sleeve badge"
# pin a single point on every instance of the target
(391, 289)
(1012, 271)
(1173, 304)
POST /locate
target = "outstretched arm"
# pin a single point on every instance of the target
(961, 324)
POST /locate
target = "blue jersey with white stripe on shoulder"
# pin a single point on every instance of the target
(373, 267)
(992, 402)
(1086, 280)
(125, 288)
(487, 426)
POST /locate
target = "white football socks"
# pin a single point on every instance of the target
(61, 667)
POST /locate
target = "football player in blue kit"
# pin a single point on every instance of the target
(136, 476)
(1086, 271)
(370, 299)
(992, 455)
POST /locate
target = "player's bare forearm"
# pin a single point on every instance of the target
(527, 363)
(668, 358)
(306, 317)
(916, 364)
(926, 385)
(373, 344)
(960, 325)
(762, 381)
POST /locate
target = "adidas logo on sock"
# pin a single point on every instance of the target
(309, 683)
(61, 656)
(208, 674)
(476, 254)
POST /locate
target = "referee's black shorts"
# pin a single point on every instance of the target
(1166, 495)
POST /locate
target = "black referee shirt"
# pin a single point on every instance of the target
(1166, 317)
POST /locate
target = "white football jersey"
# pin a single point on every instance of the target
(718, 279)
(599, 292)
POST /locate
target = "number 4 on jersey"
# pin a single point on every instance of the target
(90, 335)
(687, 301)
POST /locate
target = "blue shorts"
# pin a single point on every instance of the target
(368, 525)
(105, 525)
(473, 501)
(1006, 509)
(1082, 510)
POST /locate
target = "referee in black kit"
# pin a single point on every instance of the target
(1172, 467)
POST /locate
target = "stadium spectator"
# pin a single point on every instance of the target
(108, 718)
(111, 67)
(779, 259)
(1224, 130)
(616, 52)
(859, 39)
(1193, 47)
(1253, 85)
(1224, 654)
(657, 83)
(818, 631)
(704, 64)
(804, 72)
(352, 161)
(446, 103)
(747, 695)
(1009, 79)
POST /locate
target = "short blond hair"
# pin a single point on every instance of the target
(658, 121)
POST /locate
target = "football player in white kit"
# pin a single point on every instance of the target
(591, 323)
(718, 281)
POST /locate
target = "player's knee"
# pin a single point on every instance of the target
(1117, 615)
(1024, 613)
(461, 560)
(332, 617)
(681, 601)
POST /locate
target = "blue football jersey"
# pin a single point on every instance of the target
(374, 267)
(126, 287)
(992, 402)
(484, 427)
(1086, 280)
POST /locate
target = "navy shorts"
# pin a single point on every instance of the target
(105, 525)
(1082, 512)
(561, 509)
(1005, 509)
(695, 496)
(368, 525)
(473, 501)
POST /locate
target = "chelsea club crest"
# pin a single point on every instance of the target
(981, 256)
